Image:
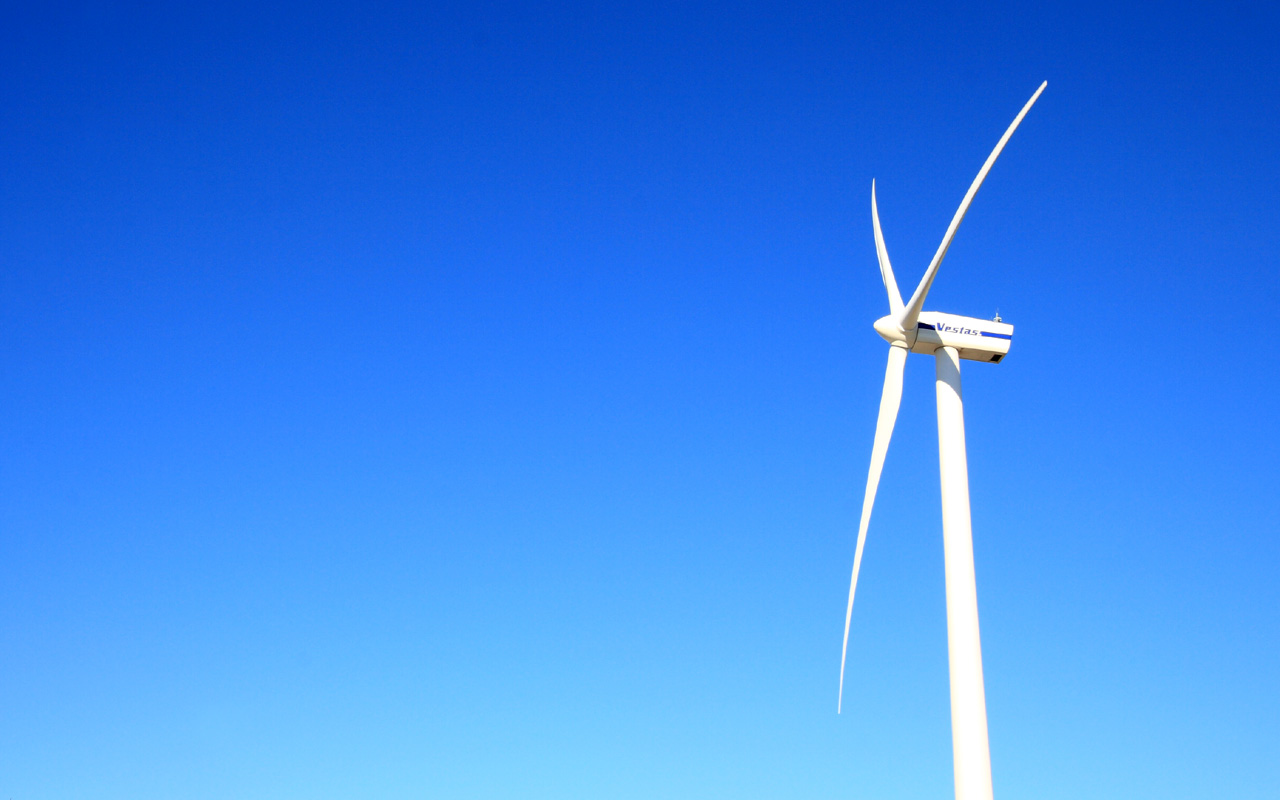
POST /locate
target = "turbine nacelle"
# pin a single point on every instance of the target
(974, 339)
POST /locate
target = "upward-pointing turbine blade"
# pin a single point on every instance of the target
(882, 254)
(909, 314)
(890, 399)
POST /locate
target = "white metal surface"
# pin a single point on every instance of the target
(975, 339)
(890, 398)
(907, 317)
(882, 255)
(949, 338)
(972, 760)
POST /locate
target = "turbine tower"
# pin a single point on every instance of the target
(949, 338)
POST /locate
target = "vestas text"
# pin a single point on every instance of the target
(942, 327)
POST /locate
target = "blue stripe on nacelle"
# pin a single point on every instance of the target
(926, 326)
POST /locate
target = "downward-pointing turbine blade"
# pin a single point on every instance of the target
(909, 314)
(890, 398)
(882, 254)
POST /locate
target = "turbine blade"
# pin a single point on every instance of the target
(882, 254)
(890, 399)
(909, 315)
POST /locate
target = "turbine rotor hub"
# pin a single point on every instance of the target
(888, 329)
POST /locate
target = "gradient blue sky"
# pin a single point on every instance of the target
(475, 400)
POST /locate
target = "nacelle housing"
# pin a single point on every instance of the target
(975, 339)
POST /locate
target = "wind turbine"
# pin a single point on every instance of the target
(949, 338)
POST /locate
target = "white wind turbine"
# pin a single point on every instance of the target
(949, 338)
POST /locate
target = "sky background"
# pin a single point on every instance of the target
(475, 400)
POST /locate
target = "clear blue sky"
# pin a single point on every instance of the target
(475, 401)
